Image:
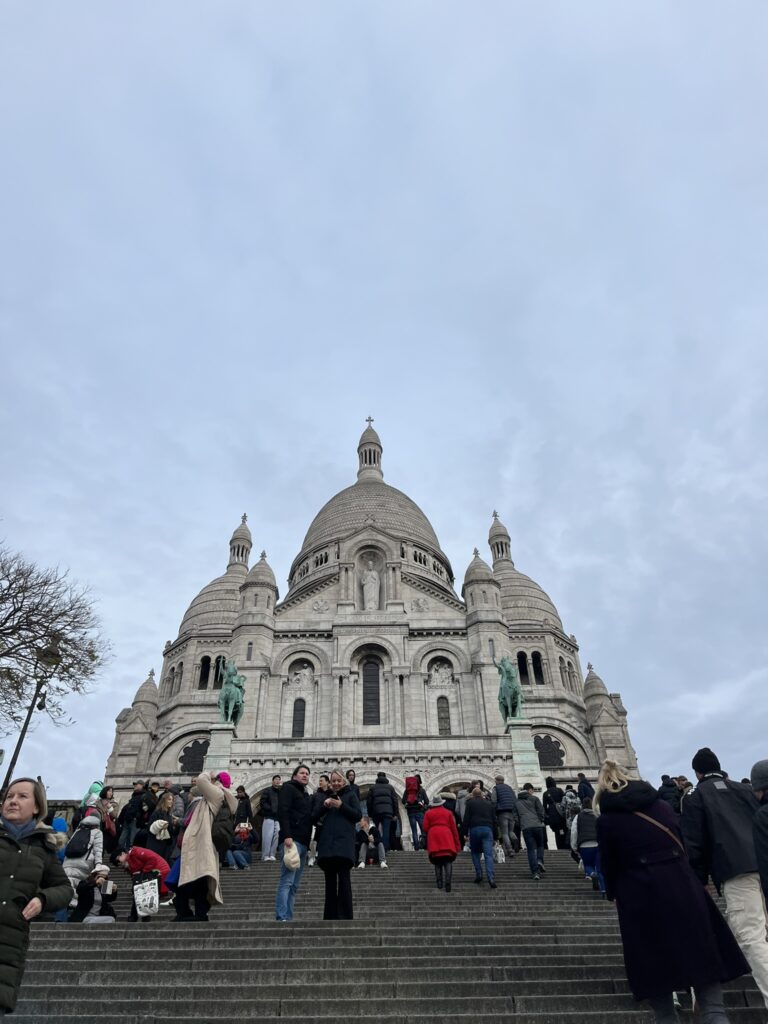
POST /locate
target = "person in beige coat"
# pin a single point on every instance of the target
(199, 873)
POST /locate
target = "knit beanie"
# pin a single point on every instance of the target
(225, 779)
(705, 761)
(759, 775)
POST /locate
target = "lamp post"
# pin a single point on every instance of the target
(49, 658)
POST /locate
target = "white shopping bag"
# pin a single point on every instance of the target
(147, 897)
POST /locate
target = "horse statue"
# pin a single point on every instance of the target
(232, 696)
(510, 691)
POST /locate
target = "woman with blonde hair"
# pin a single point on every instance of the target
(340, 811)
(673, 935)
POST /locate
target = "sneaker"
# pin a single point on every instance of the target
(595, 883)
(542, 869)
(492, 884)
(167, 903)
(537, 878)
(478, 880)
(360, 866)
(384, 864)
(311, 862)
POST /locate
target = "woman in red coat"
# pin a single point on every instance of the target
(439, 827)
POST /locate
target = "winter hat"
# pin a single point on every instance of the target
(759, 775)
(705, 761)
(59, 824)
(382, 777)
(436, 801)
(225, 779)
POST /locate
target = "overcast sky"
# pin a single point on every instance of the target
(528, 239)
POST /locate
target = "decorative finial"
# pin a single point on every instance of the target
(476, 553)
(263, 556)
(589, 666)
(244, 520)
(495, 514)
(151, 673)
(369, 420)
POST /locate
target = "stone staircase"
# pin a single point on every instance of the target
(532, 952)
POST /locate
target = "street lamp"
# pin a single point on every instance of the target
(48, 658)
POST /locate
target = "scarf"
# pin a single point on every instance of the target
(18, 832)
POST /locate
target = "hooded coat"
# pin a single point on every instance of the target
(199, 857)
(382, 799)
(77, 869)
(29, 867)
(439, 826)
(672, 932)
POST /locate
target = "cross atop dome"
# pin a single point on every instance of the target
(244, 520)
(369, 451)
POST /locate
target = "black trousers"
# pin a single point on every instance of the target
(197, 891)
(338, 889)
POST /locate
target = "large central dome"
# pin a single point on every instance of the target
(370, 503)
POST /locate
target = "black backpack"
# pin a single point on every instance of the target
(223, 828)
(79, 845)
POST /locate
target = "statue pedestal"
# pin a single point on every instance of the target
(219, 756)
(524, 755)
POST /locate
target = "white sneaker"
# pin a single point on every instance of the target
(311, 862)
(360, 866)
(384, 864)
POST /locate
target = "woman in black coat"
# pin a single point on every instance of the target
(673, 934)
(340, 812)
(553, 815)
(31, 879)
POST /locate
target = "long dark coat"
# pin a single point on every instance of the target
(28, 868)
(337, 836)
(673, 934)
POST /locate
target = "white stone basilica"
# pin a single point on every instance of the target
(371, 661)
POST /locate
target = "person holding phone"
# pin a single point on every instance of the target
(336, 846)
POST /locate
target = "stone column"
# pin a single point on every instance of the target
(524, 756)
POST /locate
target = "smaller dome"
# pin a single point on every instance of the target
(217, 603)
(369, 436)
(478, 571)
(242, 532)
(147, 692)
(593, 684)
(498, 529)
(261, 573)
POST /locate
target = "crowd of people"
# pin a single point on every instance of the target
(653, 852)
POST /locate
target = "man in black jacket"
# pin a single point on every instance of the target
(382, 806)
(270, 829)
(479, 819)
(759, 779)
(294, 814)
(669, 792)
(717, 825)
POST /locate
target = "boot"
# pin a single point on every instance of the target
(664, 1009)
(439, 875)
(448, 872)
(709, 1003)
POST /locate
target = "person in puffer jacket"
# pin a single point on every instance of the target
(77, 869)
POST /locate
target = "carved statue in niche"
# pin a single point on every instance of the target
(440, 673)
(369, 579)
(302, 673)
(420, 604)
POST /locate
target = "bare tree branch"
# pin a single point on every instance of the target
(38, 608)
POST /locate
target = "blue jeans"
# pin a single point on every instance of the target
(416, 820)
(591, 861)
(383, 824)
(481, 841)
(237, 859)
(534, 847)
(288, 885)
